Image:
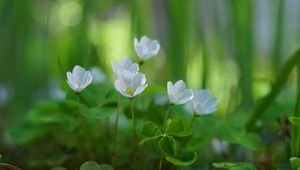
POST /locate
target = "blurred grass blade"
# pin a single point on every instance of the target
(295, 137)
(262, 106)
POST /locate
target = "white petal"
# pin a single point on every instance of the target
(212, 103)
(140, 89)
(187, 96)
(144, 41)
(170, 88)
(180, 86)
(120, 87)
(72, 85)
(154, 47)
(138, 80)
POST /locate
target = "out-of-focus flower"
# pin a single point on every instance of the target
(178, 94)
(219, 146)
(4, 95)
(203, 102)
(124, 64)
(161, 99)
(130, 84)
(146, 48)
(79, 78)
(97, 74)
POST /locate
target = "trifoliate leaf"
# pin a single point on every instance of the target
(178, 162)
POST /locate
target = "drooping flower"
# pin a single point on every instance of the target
(146, 48)
(97, 74)
(124, 64)
(203, 103)
(178, 94)
(130, 84)
(79, 78)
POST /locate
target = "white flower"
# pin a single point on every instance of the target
(219, 146)
(79, 78)
(146, 48)
(124, 64)
(130, 84)
(178, 94)
(97, 74)
(203, 102)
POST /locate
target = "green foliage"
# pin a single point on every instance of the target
(295, 162)
(176, 128)
(178, 162)
(167, 145)
(235, 166)
(295, 120)
(91, 165)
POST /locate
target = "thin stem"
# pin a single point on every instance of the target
(84, 127)
(12, 167)
(192, 121)
(295, 137)
(166, 116)
(161, 159)
(133, 120)
(114, 157)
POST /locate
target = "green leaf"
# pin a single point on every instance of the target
(178, 162)
(148, 139)
(176, 128)
(295, 163)
(95, 94)
(150, 129)
(49, 112)
(295, 120)
(235, 166)
(167, 145)
(58, 168)
(238, 135)
(99, 112)
(250, 141)
(106, 167)
(90, 165)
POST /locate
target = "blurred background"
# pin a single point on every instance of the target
(235, 48)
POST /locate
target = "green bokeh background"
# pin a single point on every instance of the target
(233, 47)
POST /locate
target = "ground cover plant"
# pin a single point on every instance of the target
(103, 85)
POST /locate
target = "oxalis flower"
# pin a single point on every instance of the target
(146, 48)
(124, 64)
(79, 79)
(178, 94)
(203, 103)
(130, 84)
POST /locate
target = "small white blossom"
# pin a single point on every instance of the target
(219, 146)
(124, 64)
(97, 74)
(79, 78)
(178, 94)
(130, 84)
(146, 48)
(203, 102)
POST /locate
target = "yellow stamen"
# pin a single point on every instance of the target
(130, 90)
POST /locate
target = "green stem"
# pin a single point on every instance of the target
(192, 121)
(161, 159)
(295, 137)
(166, 116)
(116, 134)
(133, 119)
(12, 167)
(87, 137)
(276, 88)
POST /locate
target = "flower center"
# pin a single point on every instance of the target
(130, 90)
